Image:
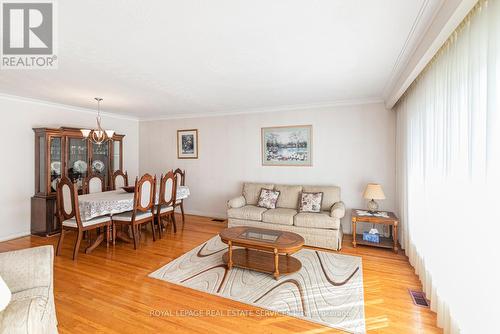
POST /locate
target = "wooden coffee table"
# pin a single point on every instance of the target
(266, 251)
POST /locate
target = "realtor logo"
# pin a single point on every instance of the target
(28, 39)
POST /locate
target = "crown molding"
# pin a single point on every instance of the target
(412, 40)
(65, 106)
(282, 108)
(445, 21)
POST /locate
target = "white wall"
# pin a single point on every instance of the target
(17, 140)
(352, 145)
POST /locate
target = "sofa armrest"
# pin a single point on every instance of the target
(27, 268)
(337, 210)
(237, 202)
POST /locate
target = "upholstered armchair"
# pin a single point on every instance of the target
(29, 275)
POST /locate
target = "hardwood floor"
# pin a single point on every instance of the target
(108, 291)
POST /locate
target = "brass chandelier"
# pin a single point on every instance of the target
(98, 135)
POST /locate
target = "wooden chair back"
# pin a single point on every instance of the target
(144, 195)
(180, 176)
(94, 183)
(119, 179)
(67, 201)
(168, 189)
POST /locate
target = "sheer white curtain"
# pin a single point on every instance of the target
(448, 166)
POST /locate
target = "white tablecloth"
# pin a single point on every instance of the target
(113, 202)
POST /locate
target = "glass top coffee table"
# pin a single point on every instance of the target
(264, 250)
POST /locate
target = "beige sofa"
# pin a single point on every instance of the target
(318, 229)
(29, 275)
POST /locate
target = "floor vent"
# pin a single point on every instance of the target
(218, 220)
(419, 298)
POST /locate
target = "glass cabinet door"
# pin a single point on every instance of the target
(77, 161)
(100, 160)
(41, 164)
(55, 162)
(117, 151)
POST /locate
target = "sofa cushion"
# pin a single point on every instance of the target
(289, 196)
(316, 220)
(251, 191)
(249, 212)
(331, 195)
(280, 216)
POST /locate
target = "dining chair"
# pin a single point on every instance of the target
(119, 179)
(166, 201)
(94, 183)
(69, 214)
(180, 176)
(143, 211)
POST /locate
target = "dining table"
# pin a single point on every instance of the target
(111, 203)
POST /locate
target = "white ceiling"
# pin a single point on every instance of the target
(152, 59)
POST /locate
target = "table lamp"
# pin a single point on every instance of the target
(372, 192)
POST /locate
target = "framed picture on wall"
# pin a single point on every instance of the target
(287, 146)
(187, 144)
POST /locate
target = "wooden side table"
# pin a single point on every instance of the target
(391, 220)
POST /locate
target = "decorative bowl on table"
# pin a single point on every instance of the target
(129, 189)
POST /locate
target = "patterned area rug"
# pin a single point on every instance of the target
(327, 290)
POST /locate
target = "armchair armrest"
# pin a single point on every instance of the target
(337, 210)
(27, 268)
(237, 202)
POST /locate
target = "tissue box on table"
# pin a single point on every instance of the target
(375, 238)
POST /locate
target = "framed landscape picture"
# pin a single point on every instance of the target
(187, 144)
(287, 146)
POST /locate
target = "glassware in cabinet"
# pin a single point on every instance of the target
(55, 162)
(77, 160)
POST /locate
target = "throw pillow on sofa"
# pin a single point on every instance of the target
(268, 198)
(311, 202)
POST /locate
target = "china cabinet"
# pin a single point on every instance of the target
(64, 151)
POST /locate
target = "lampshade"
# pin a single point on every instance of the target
(373, 191)
(5, 295)
(110, 133)
(85, 133)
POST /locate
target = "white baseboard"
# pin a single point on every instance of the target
(14, 236)
(204, 214)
